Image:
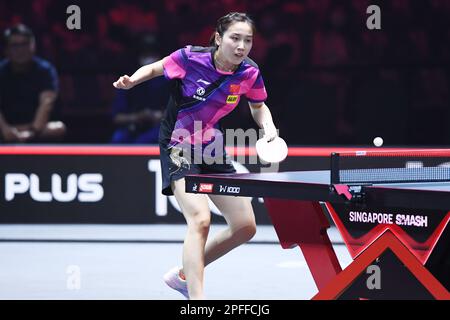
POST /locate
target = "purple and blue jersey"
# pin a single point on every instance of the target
(202, 95)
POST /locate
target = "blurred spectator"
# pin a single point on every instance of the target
(137, 112)
(320, 47)
(29, 90)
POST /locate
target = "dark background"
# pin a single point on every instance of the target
(330, 80)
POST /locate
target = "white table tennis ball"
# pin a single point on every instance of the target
(378, 141)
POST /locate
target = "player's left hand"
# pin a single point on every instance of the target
(124, 82)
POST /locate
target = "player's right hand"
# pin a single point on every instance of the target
(124, 82)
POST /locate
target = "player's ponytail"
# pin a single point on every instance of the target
(224, 23)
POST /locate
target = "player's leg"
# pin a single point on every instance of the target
(239, 215)
(197, 214)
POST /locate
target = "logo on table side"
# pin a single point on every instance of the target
(227, 189)
(200, 92)
(420, 221)
(206, 187)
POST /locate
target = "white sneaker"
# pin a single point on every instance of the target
(173, 280)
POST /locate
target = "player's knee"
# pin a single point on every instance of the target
(200, 223)
(202, 227)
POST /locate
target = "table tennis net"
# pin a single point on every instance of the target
(367, 167)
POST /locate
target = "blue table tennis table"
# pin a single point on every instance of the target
(400, 229)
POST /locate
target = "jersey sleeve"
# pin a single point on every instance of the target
(175, 65)
(257, 92)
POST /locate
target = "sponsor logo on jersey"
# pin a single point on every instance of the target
(200, 91)
(232, 99)
(204, 82)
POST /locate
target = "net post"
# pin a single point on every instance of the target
(334, 168)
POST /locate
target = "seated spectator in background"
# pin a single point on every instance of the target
(28, 92)
(138, 112)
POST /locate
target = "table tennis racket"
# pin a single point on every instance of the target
(274, 151)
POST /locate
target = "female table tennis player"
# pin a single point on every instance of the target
(207, 84)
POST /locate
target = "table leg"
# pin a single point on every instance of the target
(304, 223)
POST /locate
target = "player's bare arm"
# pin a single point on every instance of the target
(142, 74)
(263, 118)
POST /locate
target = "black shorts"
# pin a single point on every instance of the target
(175, 164)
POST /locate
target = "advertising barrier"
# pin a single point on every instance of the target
(111, 184)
